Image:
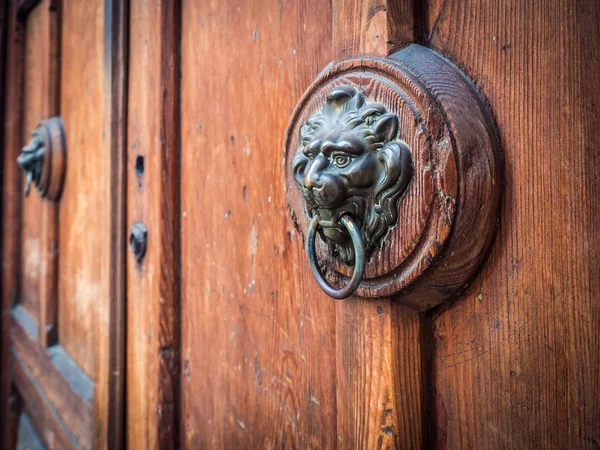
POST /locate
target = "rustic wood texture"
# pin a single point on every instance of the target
(258, 335)
(153, 199)
(84, 207)
(374, 407)
(48, 274)
(36, 54)
(374, 27)
(114, 122)
(88, 86)
(91, 293)
(516, 362)
(74, 410)
(12, 192)
(267, 358)
(48, 425)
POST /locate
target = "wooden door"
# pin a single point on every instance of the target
(175, 114)
(268, 360)
(63, 258)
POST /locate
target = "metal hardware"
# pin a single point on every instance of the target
(43, 159)
(359, 256)
(31, 161)
(351, 169)
(138, 241)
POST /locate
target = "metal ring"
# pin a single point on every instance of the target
(359, 258)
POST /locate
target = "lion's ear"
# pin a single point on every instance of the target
(298, 165)
(386, 128)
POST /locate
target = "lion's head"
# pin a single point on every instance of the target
(351, 162)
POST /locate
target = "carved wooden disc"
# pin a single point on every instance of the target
(448, 214)
(53, 171)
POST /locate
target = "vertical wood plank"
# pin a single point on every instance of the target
(114, 121)
(381, 393)
(91, 244)
(12, 194)
(516, 362)
(258, 335)
(84, 234)
(153, 199)
(380, 375)
(34, 109)
(48, 215)
(48, 274)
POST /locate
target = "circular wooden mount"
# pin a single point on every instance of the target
(44, 159)
(448, 214)
(53, 171)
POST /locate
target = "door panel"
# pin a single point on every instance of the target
(250, 350)
(85, 202)
(36, 51)
(516, 361)
(268, 359)
(230, 342)
(66, 347)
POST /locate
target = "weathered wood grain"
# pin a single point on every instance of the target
(516, 360)
(374, 27)
(48, 214)
(48, 426)
(75, 411)
(268, 359)
(91, 293)
(258, 335)
(91, 273)
(34, 109)
(11, 207)
(373, 404)
(84, 206)
(153, 199)
(114, 122)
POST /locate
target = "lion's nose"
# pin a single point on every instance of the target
(312, 180)
(324, 188)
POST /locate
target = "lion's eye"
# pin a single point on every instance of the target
(341, 160)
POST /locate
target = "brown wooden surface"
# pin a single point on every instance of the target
(85, 202)
(47, 425)
(268, 359)
(516, 360)
(87, 84)
(152, 198)
(92, 206)
(373, 408)
(12, 191)
(74, 410)
(114, 122)
(36, 53)
(258, 336)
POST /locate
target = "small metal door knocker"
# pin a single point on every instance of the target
(395, 163)
(351, 170)
(43, 159)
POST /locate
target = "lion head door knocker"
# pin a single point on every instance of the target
(351, 170)
(43, 159)
(394, 163)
